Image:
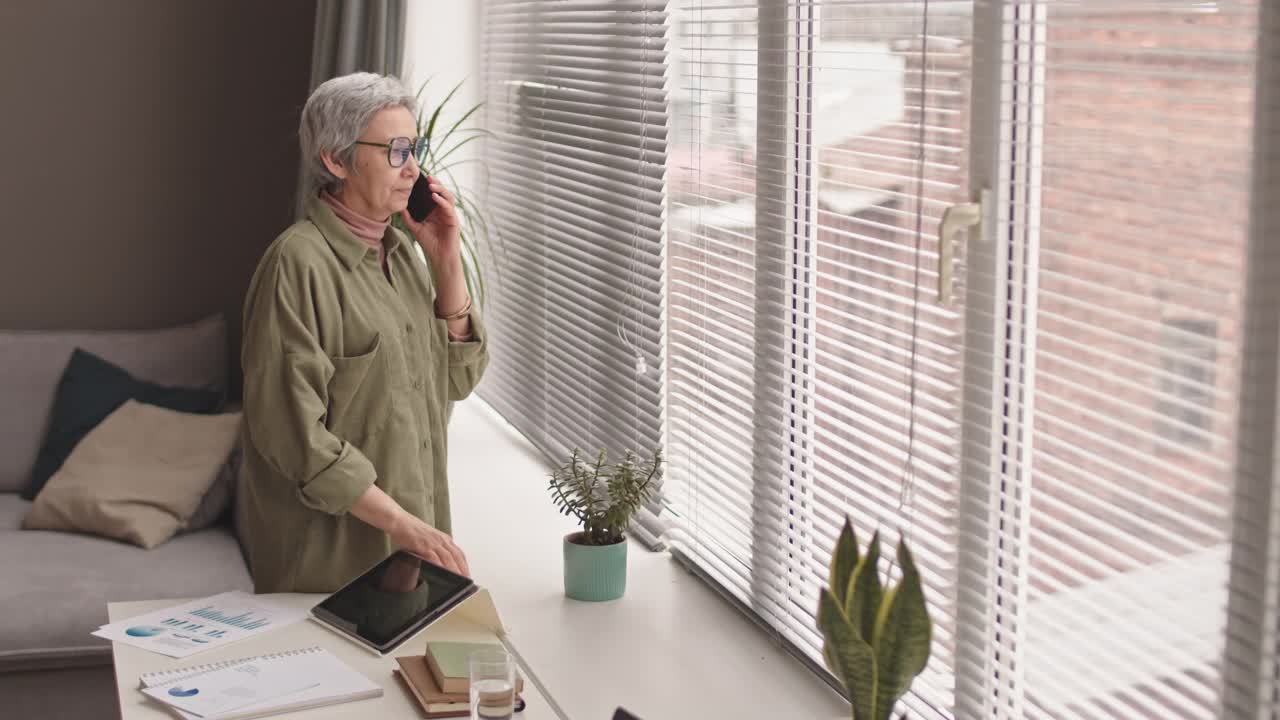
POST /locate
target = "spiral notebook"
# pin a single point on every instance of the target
(322, 677)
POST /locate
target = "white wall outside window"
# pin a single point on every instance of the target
(442, 42)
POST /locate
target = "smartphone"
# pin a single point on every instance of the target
(420, 201)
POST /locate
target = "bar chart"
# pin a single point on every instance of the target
(198, 625)
(248, 620)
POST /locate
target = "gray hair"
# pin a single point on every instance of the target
(336, 115)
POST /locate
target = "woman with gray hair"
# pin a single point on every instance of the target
(352, 349)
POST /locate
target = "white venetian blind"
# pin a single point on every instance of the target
(1251, 669)
(1123, 189)
(813, 372)
(1059, 436)
(576, 101)
(1058, 440)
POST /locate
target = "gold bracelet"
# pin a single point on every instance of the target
(466, 310)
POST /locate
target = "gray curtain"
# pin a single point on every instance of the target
(356, 35)
(353, 36)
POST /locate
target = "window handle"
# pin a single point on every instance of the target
(956, 219)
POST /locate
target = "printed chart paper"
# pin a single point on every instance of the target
(198, 625)
(222, 691)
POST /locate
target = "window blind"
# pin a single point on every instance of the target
(1251, 675)
(1123, 182)
(1078, 438)
(1057, 435)
(812, 373)
(575, 99)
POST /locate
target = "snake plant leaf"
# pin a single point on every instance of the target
(849, 657)
(828, 645)
(864, 595)
(901, 638)
(843, 562)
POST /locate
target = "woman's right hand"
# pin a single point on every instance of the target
(411, 534)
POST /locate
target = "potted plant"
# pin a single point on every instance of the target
(444, 143)
(875, 638)
(603, 497)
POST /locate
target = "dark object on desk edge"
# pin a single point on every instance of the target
(622, 714)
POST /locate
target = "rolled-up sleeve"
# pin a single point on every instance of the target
(468, 360)
(286, 379)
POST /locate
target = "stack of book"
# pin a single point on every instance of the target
(440, 681)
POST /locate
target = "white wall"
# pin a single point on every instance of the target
(442, 42)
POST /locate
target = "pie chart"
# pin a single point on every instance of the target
(180, 691)
(144, 631)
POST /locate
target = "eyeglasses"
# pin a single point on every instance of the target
(399, 149)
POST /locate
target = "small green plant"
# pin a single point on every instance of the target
(602, 496)
(441, 160)
(875, 638)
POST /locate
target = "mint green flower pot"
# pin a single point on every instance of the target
(594, 573)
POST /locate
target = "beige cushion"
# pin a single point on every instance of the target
(218, 499)
(139, 476)
(191, 356)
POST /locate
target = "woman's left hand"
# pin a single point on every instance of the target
(439, 234)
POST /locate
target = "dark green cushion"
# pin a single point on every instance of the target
(91, 389)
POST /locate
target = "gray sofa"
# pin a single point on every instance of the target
(54, 587)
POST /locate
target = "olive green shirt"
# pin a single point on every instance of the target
(347, 378)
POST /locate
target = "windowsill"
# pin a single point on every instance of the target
(671, 648)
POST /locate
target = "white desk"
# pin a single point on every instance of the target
(395, 703)
(671, 649)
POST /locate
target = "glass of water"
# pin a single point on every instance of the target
(493, 685)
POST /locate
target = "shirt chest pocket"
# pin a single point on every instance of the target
(361, 393)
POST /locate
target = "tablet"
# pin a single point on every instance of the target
(392, 600)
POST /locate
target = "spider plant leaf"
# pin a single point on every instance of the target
(418, 97)
(460, 120)
(454, 149)
(431, 126)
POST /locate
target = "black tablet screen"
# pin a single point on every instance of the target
(395, 595)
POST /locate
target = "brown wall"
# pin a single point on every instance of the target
(149, 156)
